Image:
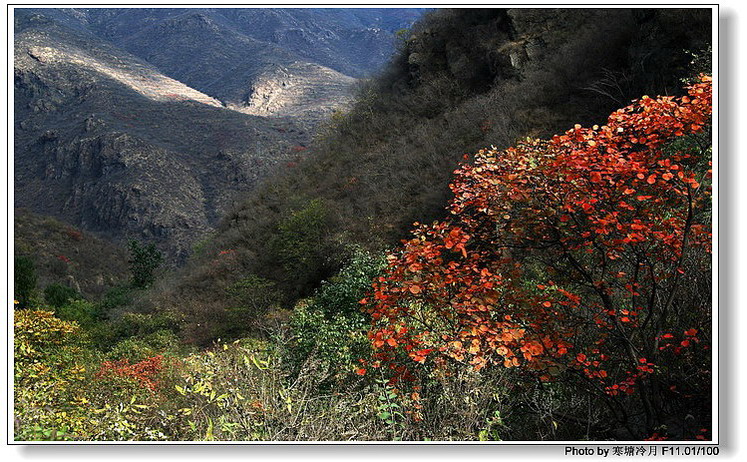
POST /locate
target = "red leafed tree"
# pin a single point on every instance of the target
(583, 259)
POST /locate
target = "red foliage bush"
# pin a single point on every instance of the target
(145, 372)
(567, 258)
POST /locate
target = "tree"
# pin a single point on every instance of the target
(252, 298)
(584, 260)
(24, 280)
(57, 295)
(299, 244)
(144, 261)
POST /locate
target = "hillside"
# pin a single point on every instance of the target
(203, 53)
(311, 56)
(148, 123)
(352, 41)
(63, 254)
(107, 142)
(466, 79)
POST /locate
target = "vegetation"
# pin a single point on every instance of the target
(579, 261)
(144, 261)
(57, 295)
(464, 80)
(249, 390)
(24, 282)
(566, 296)
(63, 255)
(299, 244)
(563, 292)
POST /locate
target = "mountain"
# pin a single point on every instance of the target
(148, 123)
(107, 142)
(234, 68)
(231, 53)
(352, 41)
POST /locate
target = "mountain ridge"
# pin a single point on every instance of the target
(149, 124)
(105, 133)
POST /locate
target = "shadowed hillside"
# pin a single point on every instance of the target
(107, 142)
(63, 254)
(465, 79)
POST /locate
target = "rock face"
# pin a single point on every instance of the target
(148, 124)
(107, 142)
(305, 91)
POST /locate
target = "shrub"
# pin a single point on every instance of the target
(37, 333)
(584, 261)
(57, 295)
(144, 372)
(24, 280)
(82, 312)
(331, 325)
(298, 244)
(133, 327)
(114, 298)
(143, 346)
(144, 261)
(49, 367)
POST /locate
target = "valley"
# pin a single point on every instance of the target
(149, 124)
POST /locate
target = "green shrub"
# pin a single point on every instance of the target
(24, 281)
(139, 348)
(130, 326)
(83, 312)
(114, 298)
(57, 295)
(144, 261)
(331, 324)
(299, 243)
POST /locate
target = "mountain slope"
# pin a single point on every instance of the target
(65, 255)
(231, 53)
(352, 41)
(466, 79)
(107, 142)
(204, 54)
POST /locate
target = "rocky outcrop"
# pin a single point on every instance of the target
(306, 91)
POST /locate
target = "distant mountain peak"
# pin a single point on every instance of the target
(144, 80)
